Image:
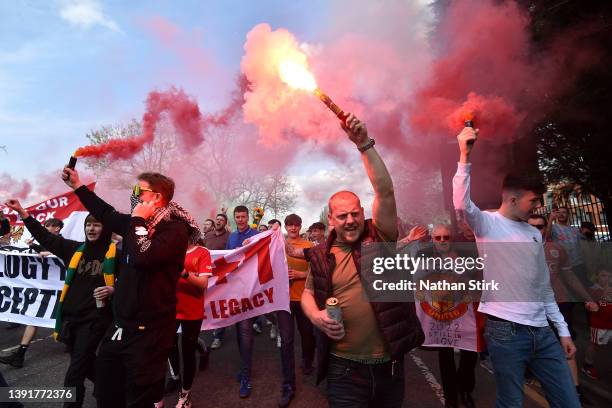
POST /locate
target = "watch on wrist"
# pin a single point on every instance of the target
(367, 146)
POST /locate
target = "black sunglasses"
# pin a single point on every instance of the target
(442, 237)
(539, 226)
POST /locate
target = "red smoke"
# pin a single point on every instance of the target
(487, 66)
(10, 187)
(183, 112)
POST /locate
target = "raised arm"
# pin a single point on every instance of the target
(476, 219)
(384, 210)
(56, 244)
(117, 222)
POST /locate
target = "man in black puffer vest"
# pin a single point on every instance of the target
(363, 358)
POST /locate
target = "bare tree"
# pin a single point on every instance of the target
(155, 156)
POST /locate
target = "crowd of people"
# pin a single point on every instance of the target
(139, 277)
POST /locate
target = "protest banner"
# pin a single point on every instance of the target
(246, 282)
(30, 287)
(67, 207)
(451, 324)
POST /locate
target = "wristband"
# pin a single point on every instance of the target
(367, 146)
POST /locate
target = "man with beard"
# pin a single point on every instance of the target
(209, 225)
(363, 358)
(217, 240)
(131, 364)
(80, 322)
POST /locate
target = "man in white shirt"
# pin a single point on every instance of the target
(517, 331)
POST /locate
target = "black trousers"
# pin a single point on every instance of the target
(306, 330)
(85, 340)
(131, 370)
(455, 380)
(190, 330)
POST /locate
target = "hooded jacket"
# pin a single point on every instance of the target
(148, 267)
(79, 304)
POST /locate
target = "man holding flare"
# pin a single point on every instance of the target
(517, 332)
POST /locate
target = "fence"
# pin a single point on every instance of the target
(582, 207)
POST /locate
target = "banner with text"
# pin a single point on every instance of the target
(246, 282)
(30, 287)
(451, 324)
(67, 207)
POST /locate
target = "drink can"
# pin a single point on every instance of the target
(100, 303)
(333, 309)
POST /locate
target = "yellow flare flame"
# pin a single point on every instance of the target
(296, 75)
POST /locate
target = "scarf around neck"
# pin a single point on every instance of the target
(108, 269)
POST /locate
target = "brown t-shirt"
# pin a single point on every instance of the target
(362, 340)
(212, 241)
(296, 286)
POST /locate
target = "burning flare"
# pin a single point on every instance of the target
(294, 72)
(296, 75)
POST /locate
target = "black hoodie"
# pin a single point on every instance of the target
(79, 303)
(149, 267)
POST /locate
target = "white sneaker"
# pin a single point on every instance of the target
(278, 341)
(273, 332)
(215, 344)
(184, 400)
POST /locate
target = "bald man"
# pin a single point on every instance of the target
(374, 337)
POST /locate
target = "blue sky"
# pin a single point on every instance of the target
(69, 66)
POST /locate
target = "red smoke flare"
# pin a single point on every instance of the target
(10, 187)
(183, 112)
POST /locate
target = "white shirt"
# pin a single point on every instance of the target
(514, 258)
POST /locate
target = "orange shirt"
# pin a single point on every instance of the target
(296, 286)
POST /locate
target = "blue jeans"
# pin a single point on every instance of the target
(355, 385)
(514, 347)
(244, 335)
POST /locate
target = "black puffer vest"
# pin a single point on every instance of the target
(397, 321)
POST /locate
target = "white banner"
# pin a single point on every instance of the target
(246, 282)
(450, 324)
(30, 287)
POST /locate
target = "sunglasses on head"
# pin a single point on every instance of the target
(137, 191)
(442, 237)
(539, 226)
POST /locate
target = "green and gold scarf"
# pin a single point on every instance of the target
(108, 269)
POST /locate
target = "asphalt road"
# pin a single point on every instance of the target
(46, 363)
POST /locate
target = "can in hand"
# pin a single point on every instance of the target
(100, 303)
(333, 309)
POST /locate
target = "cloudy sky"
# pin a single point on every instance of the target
(70, 66)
